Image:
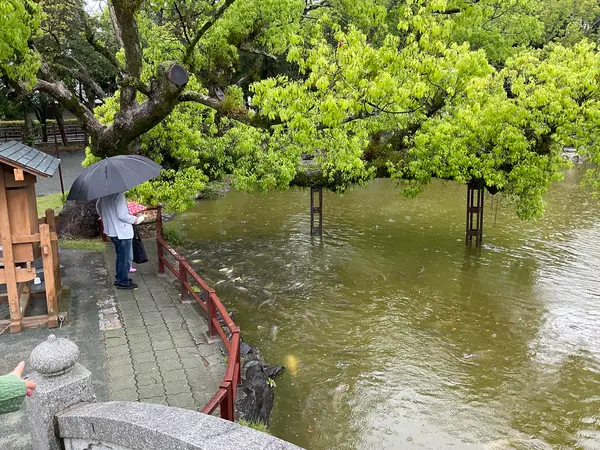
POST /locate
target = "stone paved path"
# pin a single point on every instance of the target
(159, 353)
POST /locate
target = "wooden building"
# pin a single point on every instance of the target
(25, 238)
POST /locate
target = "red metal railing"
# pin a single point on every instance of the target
(188, 280)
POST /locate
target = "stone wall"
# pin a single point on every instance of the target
(146, 426)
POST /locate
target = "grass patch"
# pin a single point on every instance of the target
(173, 235)
(52, 201)
(82, 244)
(258, 425)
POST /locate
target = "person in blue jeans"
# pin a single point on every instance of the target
(118, 226)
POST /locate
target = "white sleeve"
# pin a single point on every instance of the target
(122, 211)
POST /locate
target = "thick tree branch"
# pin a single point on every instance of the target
(239, 115)
(82, 75)
(69, 100)
(207, 26)
(90, 37)
(255, 51)
(203, 99)
(164, 93)
(117, 30)
(125, 11)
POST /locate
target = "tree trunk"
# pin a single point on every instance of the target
(58, 115)
(28, 135)
(79, 219)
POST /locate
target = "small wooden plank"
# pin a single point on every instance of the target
(24, 299)
(35, 321)
(12, 183)
(21, 275)
(19, 174)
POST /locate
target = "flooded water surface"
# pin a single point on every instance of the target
(395, 336)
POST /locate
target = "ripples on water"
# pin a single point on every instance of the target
(399, 338)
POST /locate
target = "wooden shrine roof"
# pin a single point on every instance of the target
(28, 159)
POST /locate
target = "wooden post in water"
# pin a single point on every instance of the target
(475, 196)
(316, 208)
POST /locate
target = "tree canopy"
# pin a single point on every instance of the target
(335, 92)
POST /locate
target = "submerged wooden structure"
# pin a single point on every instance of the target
(25, 238)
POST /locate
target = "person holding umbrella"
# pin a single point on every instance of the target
(106, 181)
(118, 226)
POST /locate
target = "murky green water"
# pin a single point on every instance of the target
(397, 337)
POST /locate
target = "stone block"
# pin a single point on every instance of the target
(139, 339)
(165, 355)
(129, 395)
(148, 378)
(160, 400)
(115, 341)
(177, 388)
(61, 383)
(118, 361)
(123, 383)
(166, 365)
(141, 357)
(121, 350)
(174, 376)
(184, 340)
(192, 362)
(165, 344)
(140, 346)
(120, 372)
(181, 401)
(134, 330)
(146, 367)
(151, 390)
(149, 426)
(154, 321)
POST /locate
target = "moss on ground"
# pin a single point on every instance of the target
(82, 244)
(258, 425)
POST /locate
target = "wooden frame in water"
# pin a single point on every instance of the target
(318, 191)
(475, 197)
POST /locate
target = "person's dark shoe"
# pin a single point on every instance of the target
(116, 283)
(129, 286)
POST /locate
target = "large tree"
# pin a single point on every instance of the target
(274, 92)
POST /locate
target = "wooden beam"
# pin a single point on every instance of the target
(19, 174)
(51, 219)
(9, 262)
(26, 239)
(48, 257)
(35, 321)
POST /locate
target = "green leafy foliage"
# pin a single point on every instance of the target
(19, 22)
(337, 92)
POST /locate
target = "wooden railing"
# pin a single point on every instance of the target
(192, 285)
(74, 133)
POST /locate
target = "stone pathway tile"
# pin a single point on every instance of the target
(159, 353)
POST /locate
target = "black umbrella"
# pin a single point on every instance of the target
(113, 175)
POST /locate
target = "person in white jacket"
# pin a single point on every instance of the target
(118, 226)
